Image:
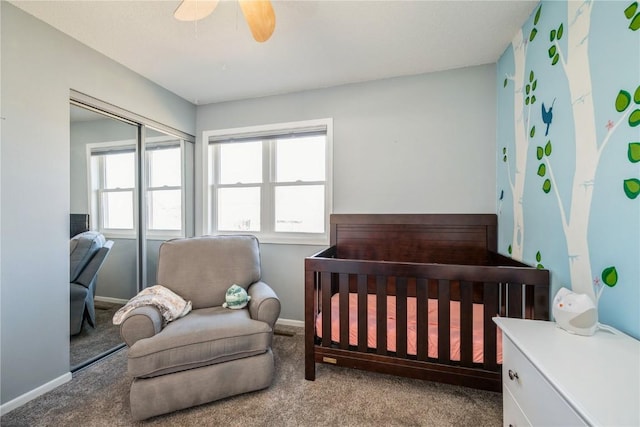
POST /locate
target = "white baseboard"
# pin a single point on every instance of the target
(112, 300)
(290, 322)
(36, 392)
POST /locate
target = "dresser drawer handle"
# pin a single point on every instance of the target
(513, 375)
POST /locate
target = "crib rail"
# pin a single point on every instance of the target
(512, 290)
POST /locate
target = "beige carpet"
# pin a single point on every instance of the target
(91, 342)
(98, 396)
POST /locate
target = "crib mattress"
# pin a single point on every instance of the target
(432, 306)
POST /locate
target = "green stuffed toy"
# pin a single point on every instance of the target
(236, 297)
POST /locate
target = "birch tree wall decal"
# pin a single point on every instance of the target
(575, 66)
(523, 100)
(631, 186)
(632, 14)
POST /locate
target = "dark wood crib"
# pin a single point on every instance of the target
(391, 288)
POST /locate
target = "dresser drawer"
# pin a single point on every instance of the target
(512, 414)
(537, 399)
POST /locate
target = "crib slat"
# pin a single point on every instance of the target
(444, 329)
(343, 289)
(401, 317)
(363, 310)
(514, 304)
(310, 313)
(490, 309)
(422, 333)
(381, 315)
(325, 289)
(466, 323)
(541, 301)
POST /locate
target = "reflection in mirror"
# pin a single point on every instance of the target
(168, 194)
(103, 187)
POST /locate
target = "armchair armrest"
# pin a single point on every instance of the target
(141, 322)
(264, 304)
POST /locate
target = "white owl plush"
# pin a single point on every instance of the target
(575, 313)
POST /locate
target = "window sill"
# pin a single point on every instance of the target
(284, 239)
(158, 237)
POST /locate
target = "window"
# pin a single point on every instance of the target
(113, 177)
(274, 182)
(164, 187)
(113, 188)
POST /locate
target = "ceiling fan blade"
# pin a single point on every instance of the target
(260, 17)
(194, 10)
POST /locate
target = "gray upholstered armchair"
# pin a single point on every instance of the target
(212, 352)
(87, 252)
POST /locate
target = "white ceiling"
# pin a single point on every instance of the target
(315, 44)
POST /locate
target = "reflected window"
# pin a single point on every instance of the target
(113, 191)
(113, 171)
(164, 190)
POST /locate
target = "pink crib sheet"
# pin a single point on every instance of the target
(478, 326)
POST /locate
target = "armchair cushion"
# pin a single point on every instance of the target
(204, 337)
(201, 269)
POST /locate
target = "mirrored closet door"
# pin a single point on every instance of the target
(133, 184)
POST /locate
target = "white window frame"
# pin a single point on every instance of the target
(267, 234)
(94, 196)
(158, 234)
(95, 200)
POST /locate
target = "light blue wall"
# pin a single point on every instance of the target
(39, 67)
(594, 64)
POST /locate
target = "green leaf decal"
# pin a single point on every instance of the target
(531, 75)
(552, 51)
(527, 89)
(539, 153)
(537, 17)
(634, 118)
(630, 10)
(632, 187)
(546, 186)
(636, 95)
(533, 99)
(526, 100)
(532, 35)
(509, 249)
(535, 83)
(622, 101)
(560, 31)
(504, 150)
(634, 152)
(505, 83)
(538, 256)
(610, 276)
(540, 267)
(552, 35)
(504, 159)
(542, 170)
(635, 24)
(547, 148)
(532, 132)
(555, 59)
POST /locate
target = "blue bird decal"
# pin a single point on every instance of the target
(547, 116)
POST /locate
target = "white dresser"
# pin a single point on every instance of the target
(553, 378)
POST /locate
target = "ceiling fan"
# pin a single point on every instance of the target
(258, 14)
